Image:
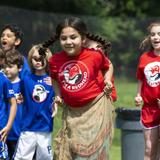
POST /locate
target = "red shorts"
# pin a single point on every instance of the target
(150, 116)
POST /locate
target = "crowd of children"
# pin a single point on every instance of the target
(81, 77)
(26, 100)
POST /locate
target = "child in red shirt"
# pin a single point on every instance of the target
(77, 78)
(148, 75)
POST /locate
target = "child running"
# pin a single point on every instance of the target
(37, 121)
(13, 65)
(148, 75)
(87, 113)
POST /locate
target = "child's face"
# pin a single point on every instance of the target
(38, 62)
(12, 71)
(9, 40)
(71, 41)
(155, 37)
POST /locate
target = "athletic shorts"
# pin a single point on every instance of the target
(31, 142)
(150, 117)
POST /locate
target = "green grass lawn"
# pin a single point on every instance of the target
(126, 92)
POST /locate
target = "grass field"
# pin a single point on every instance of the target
(126, 92)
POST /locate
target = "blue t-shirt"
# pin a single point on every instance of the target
(6, 92)
(25, 69)
(38, 98)
(15, 130)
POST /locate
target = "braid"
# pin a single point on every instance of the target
(46, 44)
(105, 43)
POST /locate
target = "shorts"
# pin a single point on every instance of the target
(29, 142)
(150, 117)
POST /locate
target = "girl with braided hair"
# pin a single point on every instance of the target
(77, 78)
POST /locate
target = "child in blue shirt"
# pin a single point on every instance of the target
(11, 39)
(13, 65)
(6, 98)
(37, 121)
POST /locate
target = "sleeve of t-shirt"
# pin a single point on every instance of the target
(140, 72)
(101, 62)
(105, 62)
(25, 69)
(8, 89)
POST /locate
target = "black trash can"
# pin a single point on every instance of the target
(132, 139)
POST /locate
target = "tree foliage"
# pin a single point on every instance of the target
(131, 8)
(123, 22)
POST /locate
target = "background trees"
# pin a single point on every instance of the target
(131, 8)
(123, 22)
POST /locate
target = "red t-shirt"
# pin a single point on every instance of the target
(78, 76)
(148, 72)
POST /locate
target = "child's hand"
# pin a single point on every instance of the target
(158, 101)
(57, 101)
(108, 87)
(4, 133)
(138, 100)
(54, 109)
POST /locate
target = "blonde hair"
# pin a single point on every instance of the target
(46, 57)
(146, 43)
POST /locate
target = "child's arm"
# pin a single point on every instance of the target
(13, 109)
(158, 101)
(108, 78)
(138, 98)
(57, 98)
(109, 74)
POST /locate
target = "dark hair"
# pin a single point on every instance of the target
(14, 57)
(105, 43)
(16, 30)
(73, 22)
